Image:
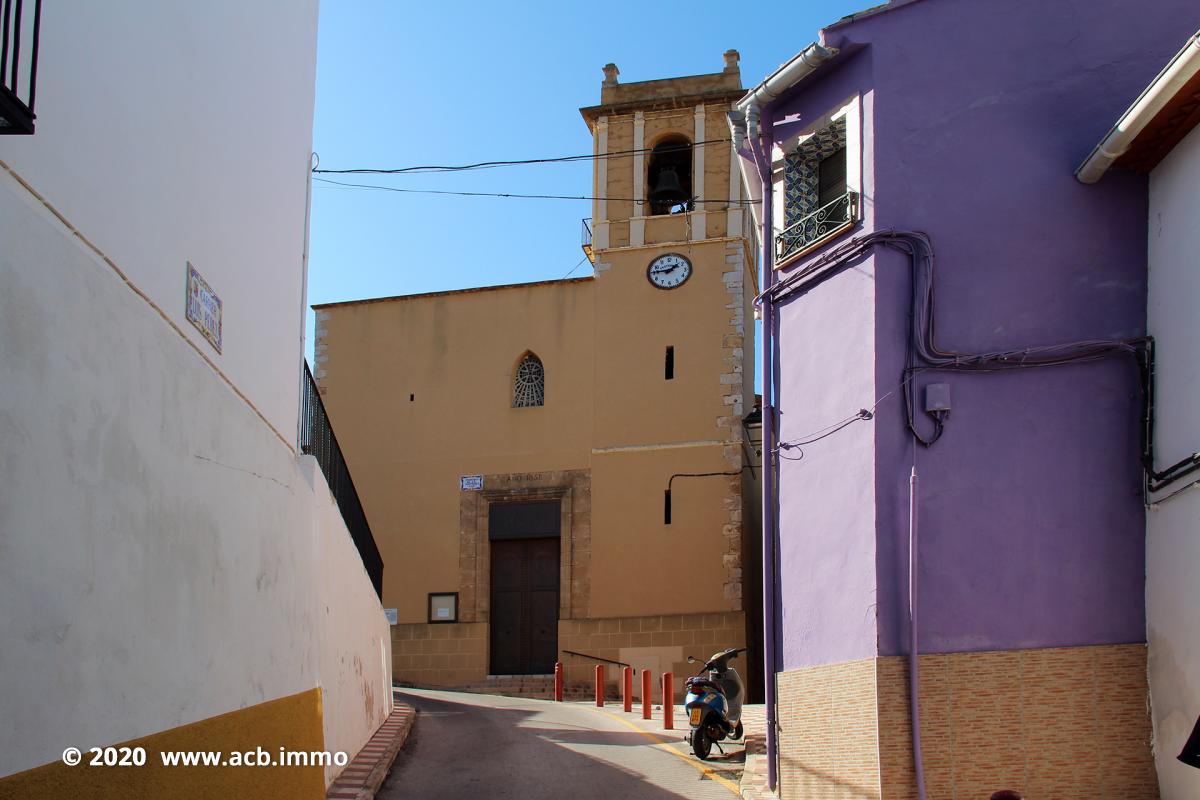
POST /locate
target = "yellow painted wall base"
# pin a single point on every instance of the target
(292, 723)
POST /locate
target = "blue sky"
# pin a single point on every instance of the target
(402, 84)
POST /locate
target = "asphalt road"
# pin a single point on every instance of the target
(479, 747)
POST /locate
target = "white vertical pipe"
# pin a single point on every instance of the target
(913, 691)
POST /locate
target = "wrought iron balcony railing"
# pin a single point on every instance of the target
(587, 241)
(18, 65)
(318, 441)
(828, 220)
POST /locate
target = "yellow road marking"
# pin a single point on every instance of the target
(661, 744)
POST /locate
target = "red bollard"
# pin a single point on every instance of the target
(627, 688)
(600, 685)
(558, 681)
(645, 694)
(668, 696)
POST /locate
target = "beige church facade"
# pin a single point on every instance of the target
(561, 471)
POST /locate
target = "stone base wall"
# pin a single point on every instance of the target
(456, 655)
(1049, 723)
(439, 655)
(658, 643)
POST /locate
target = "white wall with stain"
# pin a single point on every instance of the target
(164, 558)
(175, 132)
(355, 654)
(1173, 528)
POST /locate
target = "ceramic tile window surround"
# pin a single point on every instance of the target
(795, 175)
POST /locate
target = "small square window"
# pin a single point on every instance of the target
(443, 607)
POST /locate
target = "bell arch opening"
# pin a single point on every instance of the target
(669, 177)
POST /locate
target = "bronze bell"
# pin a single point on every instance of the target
(667, 189)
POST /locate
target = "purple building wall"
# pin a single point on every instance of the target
(975, 116)
(827, 511)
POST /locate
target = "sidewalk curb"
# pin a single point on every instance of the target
(363, 776)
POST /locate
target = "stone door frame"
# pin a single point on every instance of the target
(573, 490)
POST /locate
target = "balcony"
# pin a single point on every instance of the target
(811, 231)
(587, 241)
(18, 65)
(317, 440)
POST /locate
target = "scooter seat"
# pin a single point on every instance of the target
(697, 685)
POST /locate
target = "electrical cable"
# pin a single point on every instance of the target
(923, 354)
(1157, 480)
(520, 162)
(1165, 498)
(852, 418)
(731, 474)
(725, 201)
(577, 266)
(862, 414)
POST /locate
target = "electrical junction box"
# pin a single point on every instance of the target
(937, 397)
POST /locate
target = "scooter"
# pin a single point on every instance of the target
(714, 703)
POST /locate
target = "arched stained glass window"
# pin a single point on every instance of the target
(529, 387)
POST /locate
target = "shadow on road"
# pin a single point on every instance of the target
(480, 748)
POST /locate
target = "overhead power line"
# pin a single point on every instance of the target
(577, 266)
(521, 162)
(723, 201)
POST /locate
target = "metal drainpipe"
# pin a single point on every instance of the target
(762, 160)
(313, 160)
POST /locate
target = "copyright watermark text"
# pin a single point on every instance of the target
(258, 757)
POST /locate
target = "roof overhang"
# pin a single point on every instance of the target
(1166, 111)
(744, 118)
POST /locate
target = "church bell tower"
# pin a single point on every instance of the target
(673, 246)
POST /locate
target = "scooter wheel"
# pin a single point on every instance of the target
(701, 744)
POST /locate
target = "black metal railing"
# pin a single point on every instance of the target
(821, 224)
(318, 441)
(586, 240)
(595, 658)
(19, 34)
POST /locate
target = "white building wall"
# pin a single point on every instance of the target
(172, 132)
(164, 555)
(354, 637)
(1173, 528)
(164, 558)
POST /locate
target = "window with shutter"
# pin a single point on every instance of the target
(818, 203)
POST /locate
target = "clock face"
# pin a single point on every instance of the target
(669, 270)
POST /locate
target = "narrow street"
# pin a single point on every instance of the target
(480, 746)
